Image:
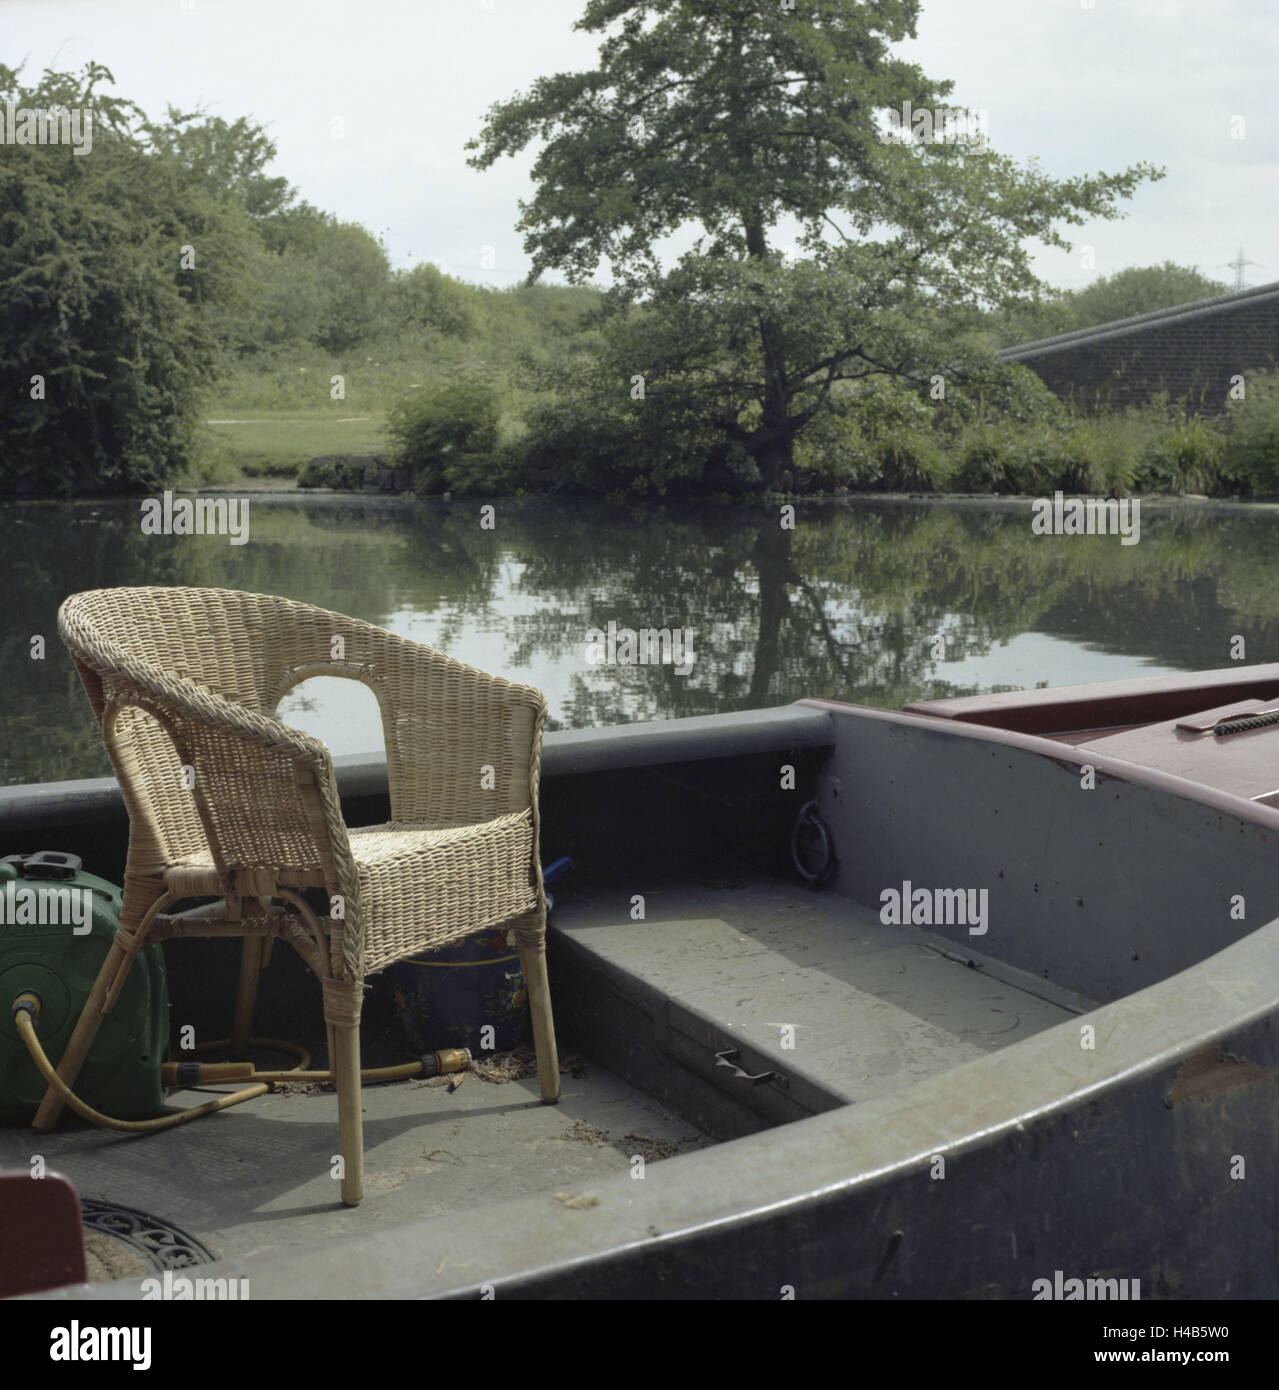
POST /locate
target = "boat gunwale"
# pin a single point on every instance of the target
(804, 723)
(565, 753)
(1027, 707)
(1068, 755)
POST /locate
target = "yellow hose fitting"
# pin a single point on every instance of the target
(27, 1002)
(188, 1074)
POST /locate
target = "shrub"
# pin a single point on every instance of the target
(833, 452)
(1252, 445)
(447, 433)
(571, 448)
(1185, 456)
(592, 440)
(483, 475)
(333, 470)
(424, 302)
(1005, 456)
(895, 429)
(1105, 451)
(1011, 392)
(912, 460)
(982, 452)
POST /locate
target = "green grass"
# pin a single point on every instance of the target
(282, 400)
(276, 444)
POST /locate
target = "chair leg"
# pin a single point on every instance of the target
(533, 964)
(346, 1071)
(246, 995)
(117, 964)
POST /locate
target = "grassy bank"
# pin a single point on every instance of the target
(265, 444)
(285, 411)
(268, 421)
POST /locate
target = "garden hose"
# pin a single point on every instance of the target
(26, 1010)
(395, 1073)
(201, 1073)
(449, 1059)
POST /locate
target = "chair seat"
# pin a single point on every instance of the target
(424, 888)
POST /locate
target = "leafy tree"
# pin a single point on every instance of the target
(730, 116)
(285, 299)
(1043, 316)
(353, 269)
(288, 305)
(119, 293)
(1140, 290)
(315, 280)
(1136, 290)
(550, 311)
(425, 301)
(311, 279)
(298, 227)
(224, 158)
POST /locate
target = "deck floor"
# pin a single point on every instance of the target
(256, 1178)
(873, 1007)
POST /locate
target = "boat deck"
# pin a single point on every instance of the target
(811, 982)
(843, 1007)
(256, 1178)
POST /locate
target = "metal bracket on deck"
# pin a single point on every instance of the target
(728, 1057)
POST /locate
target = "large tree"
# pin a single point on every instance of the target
(309, 277)
(120, 291)
(731, 117)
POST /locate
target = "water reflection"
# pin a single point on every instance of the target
(875, 602)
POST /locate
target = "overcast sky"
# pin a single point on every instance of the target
(1083, 89)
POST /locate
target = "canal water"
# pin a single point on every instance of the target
(878, 602)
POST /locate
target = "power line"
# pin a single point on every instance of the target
(1237, 265)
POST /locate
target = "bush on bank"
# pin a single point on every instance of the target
(1253, 449)
(464, 435)
(888, 439)
(1014, 437)
(448, 433)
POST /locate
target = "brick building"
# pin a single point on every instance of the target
(1192, 352)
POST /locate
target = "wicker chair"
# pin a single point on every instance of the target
(226, 802)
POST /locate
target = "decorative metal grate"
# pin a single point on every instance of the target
(160, 1243)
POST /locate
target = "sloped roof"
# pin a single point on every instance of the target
(1199, 309)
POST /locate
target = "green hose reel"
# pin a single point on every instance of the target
(56, 926)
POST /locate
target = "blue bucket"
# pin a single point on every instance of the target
(451, 997)
(455, 996)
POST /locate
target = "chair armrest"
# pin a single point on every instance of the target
(265, 794)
